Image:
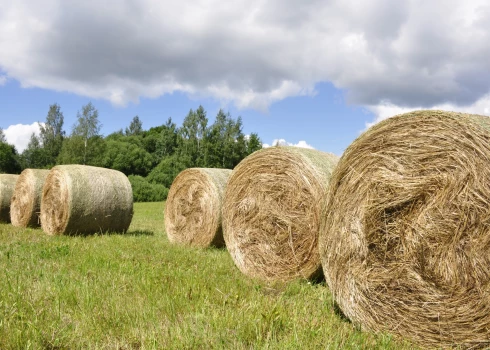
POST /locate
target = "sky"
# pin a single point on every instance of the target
(311, 73)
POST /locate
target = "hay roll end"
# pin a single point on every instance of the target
(406, 233)
(25, 205)
(193, 208)
(272, 210)
(7, 185)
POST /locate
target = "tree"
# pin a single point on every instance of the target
(166, 171)
(3, 139)
(215, 140)
(168, 141)
(253, 143)
(150, 138)
(116, 135)
(9, 160)
(202, 123)
(92, 155)
(127, 158)
(87, 127)
(34, 156)
(192, 132)
(135, 127)
(144, 191)
(52, 134)
(235, 147)
(226, 145)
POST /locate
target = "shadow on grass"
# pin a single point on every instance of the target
(212, 247)
(137, 233)
(109, 233)
(318, 278)
(337, 311)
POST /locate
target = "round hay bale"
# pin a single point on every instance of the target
(271, 212)
(405, 236)
(80, 199)
(193, 208)
(25, 205)
(7, 184)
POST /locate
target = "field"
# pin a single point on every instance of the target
(136, 291)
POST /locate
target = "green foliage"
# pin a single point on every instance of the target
(127, 158)
(73, 151)
(34, 156)
(116, 135)
(2, 136)
(168, 142)
(87, 128)
(135, 127)
(159, 153)
(166, 171)
(225, 143)
(192, 134)
(150, 141)
(143, 191)
(52, 135)
(253, 143)
(9, 159)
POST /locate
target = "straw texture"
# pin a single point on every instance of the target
(271, 212)
(25, 206)
(193, 208)
(7, 184)
(405, 236)
(79, 199)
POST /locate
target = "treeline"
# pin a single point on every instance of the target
(151, 158)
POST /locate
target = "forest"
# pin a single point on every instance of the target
(150, 158)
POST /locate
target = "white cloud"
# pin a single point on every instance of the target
(303, 144)
(260, 100)
(252, 52)
(387, 110)
(3, 79)
(19, 135)
(283, 142)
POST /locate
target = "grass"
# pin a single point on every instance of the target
(137, 291)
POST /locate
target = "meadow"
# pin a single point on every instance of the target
(137, 291)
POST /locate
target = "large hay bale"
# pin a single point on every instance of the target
(271, 212)
(405, 237)
(193, 208)
(25, 205)
(7, 184)
(79, 199)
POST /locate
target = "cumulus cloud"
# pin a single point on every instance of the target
(386, 110)
(19, 135)
(282, 142)
(252, 52)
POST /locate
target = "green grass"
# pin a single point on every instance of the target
(137, 291)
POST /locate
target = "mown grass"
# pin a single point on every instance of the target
(137, 291)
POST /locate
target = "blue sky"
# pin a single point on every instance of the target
(324, 121)
(309, 72)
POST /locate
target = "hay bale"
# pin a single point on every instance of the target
(79, 199)
(271, 212)
(405, 236)
(193, 208)
(25, 205)
(7, 184)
